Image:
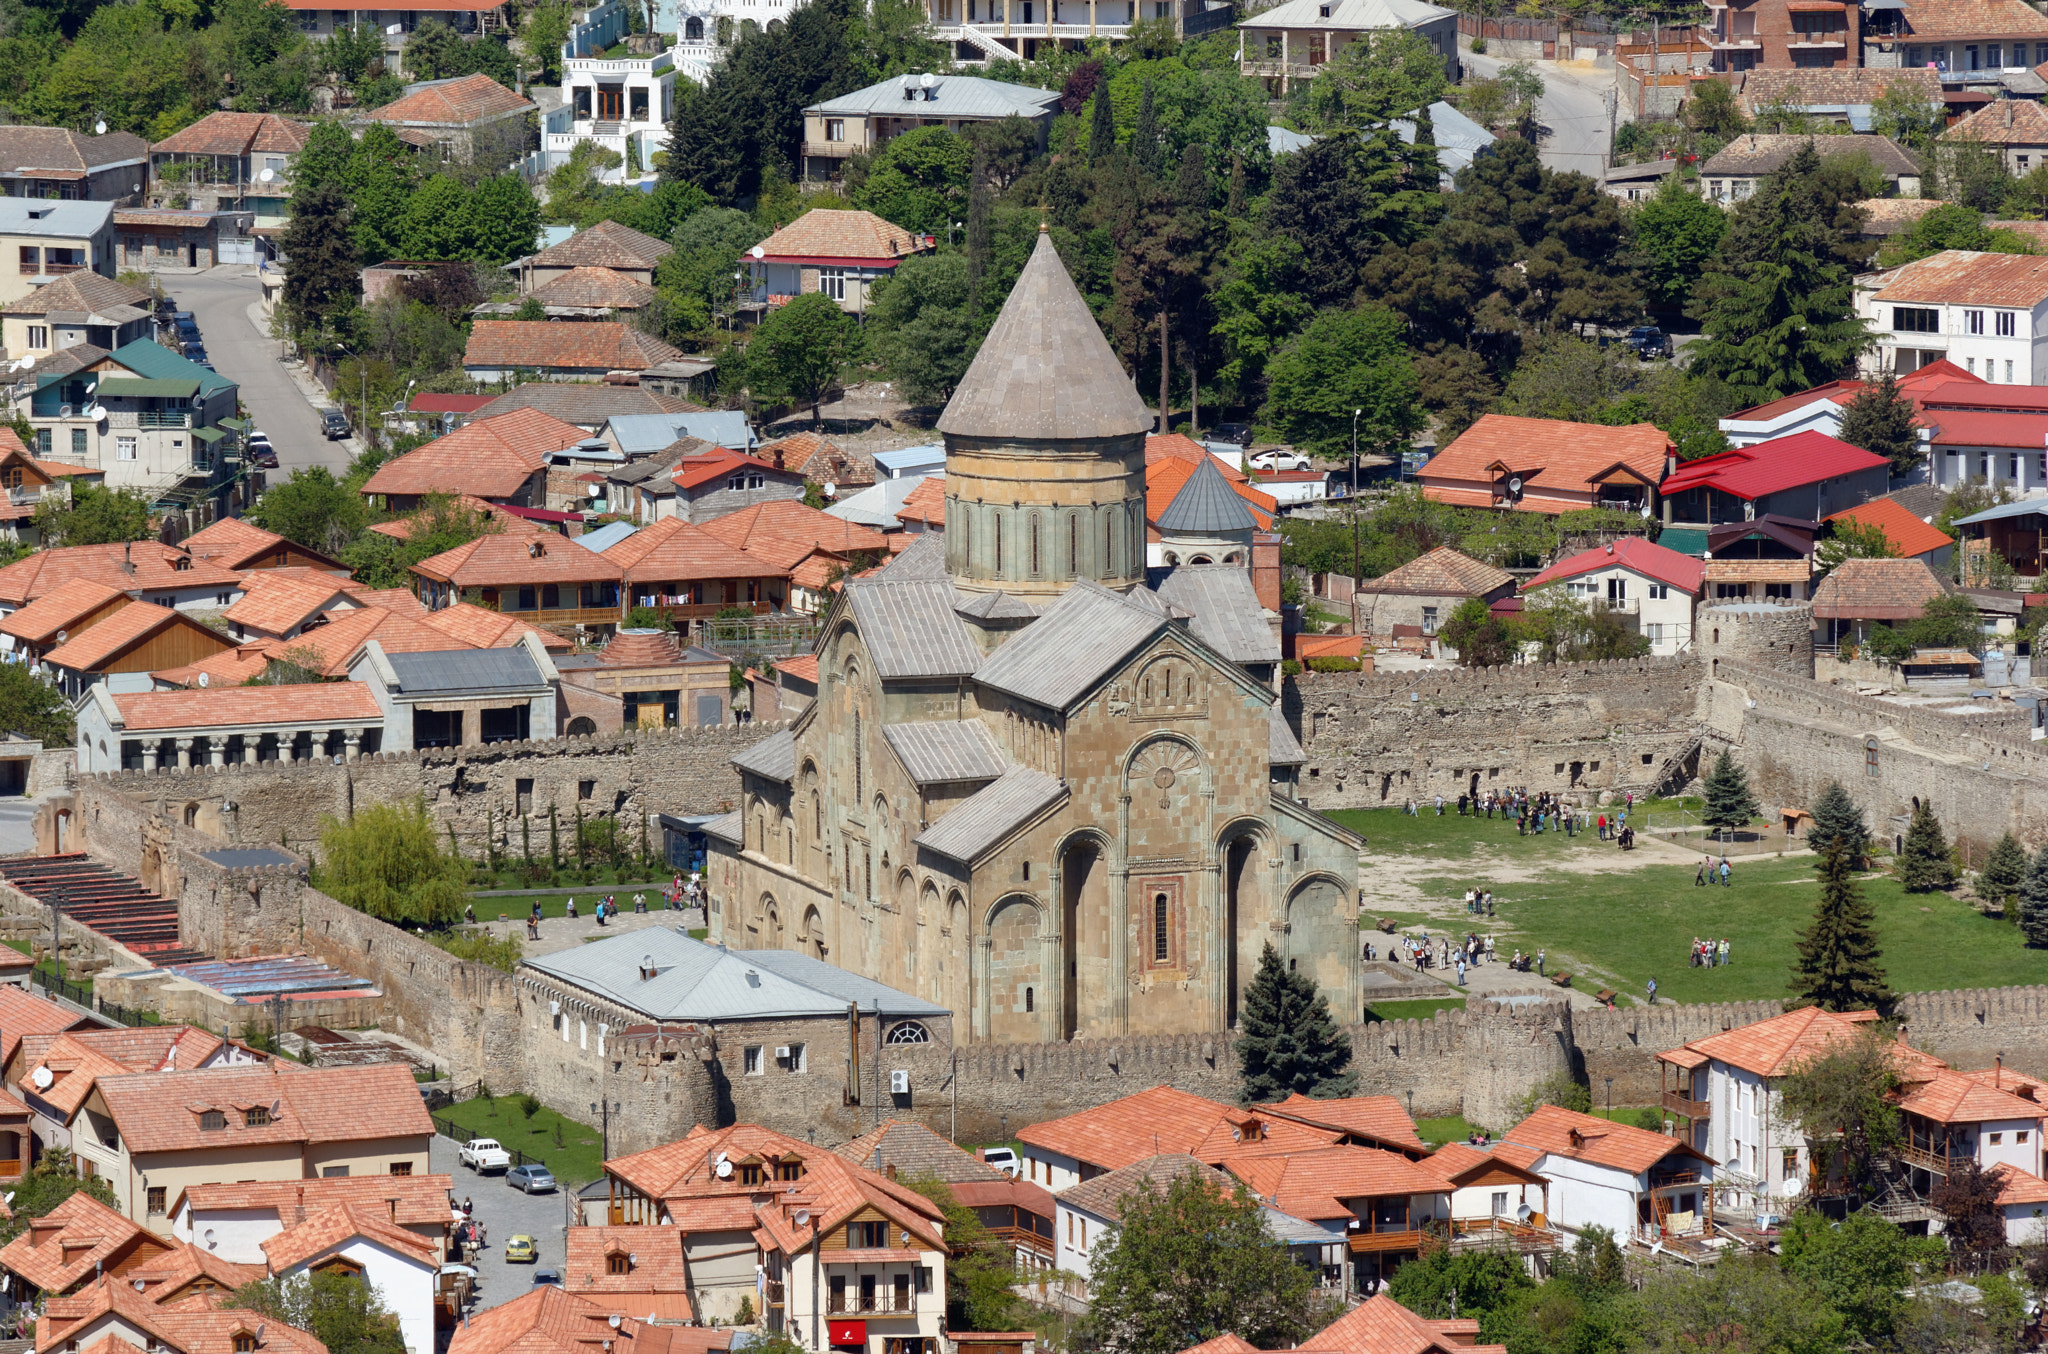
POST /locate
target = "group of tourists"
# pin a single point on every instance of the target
(1709, 953)
(1539, 813)
(1426, 952)
(1711, 874)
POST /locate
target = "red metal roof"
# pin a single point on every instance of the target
(449, 404)
(540, 514)
(1634, 554)
(1986, 428)
(1769, 467)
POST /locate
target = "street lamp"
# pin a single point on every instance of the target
(1610, 1097)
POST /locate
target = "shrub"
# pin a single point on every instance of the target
(529, 1104)
(1333, 665)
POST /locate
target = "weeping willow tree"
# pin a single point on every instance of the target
(387, 861)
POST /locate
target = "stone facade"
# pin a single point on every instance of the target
(1030, 519)
(1767, 634)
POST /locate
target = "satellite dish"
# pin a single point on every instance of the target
(205, 681)
(1644, 512)
(64, 411)
(208, 1238)
(1524, 1213)
(758, 252)
(100, 128)
(614, 1320)
(23, 363)
(276, 1108)
(831, 489)
(267, 175)
(63, 636)
(394, 30)
(927, 80)
(94, 412)
(725, 1170)
(42, 1077)
(140, 1285)
(802, 1217)
(1514, 484)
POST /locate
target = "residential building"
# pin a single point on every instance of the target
(543, 582)
(145, 570)
(1637, 183)
(863, 121)
(1908, 535)
(1840, 94)
(1655, 588)
(1548, 465)
(236, 544)
(434, 413)
(638, 436)
(1289, 41)
(56, 162)
(876, 506)
(687, 572)
(588, 406)
(1773, 33)
(1975, 45)
(241, 1217)
(809, 545)
(909, 462)
(1732, 173)
(1988, 313)
(42, 239)
(2017, 129)
(878, 1268)
(1861, 593)
(399, 1265)
(69, 609)
(1769, 559)
(25, 482)
(604, 245)
(550, 1320)
(143, 416)
(1820, 409)
(1807, 476)
(2012, 531)
(77, 308)
(133, 640)
(2023, 1198)
(635, 1269)
(459, 117)
(276, 605)
(498, 457)
(1377, 1205)
(187, 240)
(924, 507)
(500, 350)
(187, 1271)
(1087, 1212)
(231, 162)
(622, 103)
(116, 1318)
(840, 253)
(642, 679)
(142, 730)
(1987, 1119)
(1639, 1185)
(583, 294)
(822, 461)
(79, 1243)
(1425, 591)
(1495, 1197)
(467, 17)
(1016, 1212)
(1887, 217)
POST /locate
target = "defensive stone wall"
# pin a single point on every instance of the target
(678, 771)
(1386, 737)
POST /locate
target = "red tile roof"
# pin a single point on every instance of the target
(1938, 19)
(1381, 1325)
(1967, 277)
(144, 566)
(496, 517)
(1556, 461)
(231, 707)
(701, 468)
(234, 543)
(73, 1239)
(22, 1014)
(61, 609)
(564, 345)
(120, 632)
(335, 1226)
(1166, 474)
(1632, 553)
(675, 551)
(926, 503)
(826, 234)
(334, 644)
(1768, 467)
(448, 404)
(1772, 1047)
(1557, 1131)
(229, 667)
(654, 1256)
(198, 1325)
(1963, 1098)
(595, 289)
(1458, 1161)
(412, 1200)
(604, 245)
(516, 561)
(453, 103)
(2018, 1187)
(1877, 589)
(550, 1320)
(816, 457)
(1442, 572)
(160, 1112)
(785, 531)
(1129, 1129)
(490, 457)
(1908, 534)
(1379, 1117)
(237, 134)
(272, 606)
(166, 1278)
(479, 628)
(1315, 1184)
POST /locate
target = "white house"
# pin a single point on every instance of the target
(1637, 1184)
(1489, 1189)
(2024, 1201)
(232, 1221)
(622, 103)
(42, 239)
(1655, 587)
(399, 1265)
(1993, 1118)
(1987, 313)
(1083, 1214)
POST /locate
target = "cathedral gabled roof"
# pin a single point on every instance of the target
(1282, 747)
(985, 819)
(995, 606)
(949, 752)
(773, 758)
(1066, 651)
(910, 628)
(1206, 506)
(1045, 372)
(923, 558)
(1223, 610)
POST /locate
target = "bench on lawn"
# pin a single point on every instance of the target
(1561, 979)
(1605, 996)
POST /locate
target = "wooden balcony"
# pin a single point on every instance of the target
(1677, 1103)
(1939, 1162)
(708, 610)
(1387, 1237)
(565, 615)
(1023, 1239)
(1494, 1231)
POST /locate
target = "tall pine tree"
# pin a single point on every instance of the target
(2034, 900)
(1289, 1040)
(2004, 871)
(1729, 802)
(1101, 123)
(1882, 421)
(1837, 968)
(1146, 147)
(1837, 819)
(1924, 865)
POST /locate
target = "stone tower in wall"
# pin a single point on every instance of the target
(1045, 449)
(1511, 1046)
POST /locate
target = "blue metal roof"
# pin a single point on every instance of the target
(645, 434)
(2005, 510)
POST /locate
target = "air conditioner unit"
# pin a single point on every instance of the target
(782, 1052)
(899, 1082)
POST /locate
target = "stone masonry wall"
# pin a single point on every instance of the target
(1384, 738)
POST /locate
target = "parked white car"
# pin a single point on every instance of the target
(1279, 458)
(485, 1155)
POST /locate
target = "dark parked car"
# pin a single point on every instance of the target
(334, 423)
(1648, 341)
(1240, 433)
(541, 1276)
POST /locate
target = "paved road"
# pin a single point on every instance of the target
(220, 301)
(505, 1212)
(1573, 111)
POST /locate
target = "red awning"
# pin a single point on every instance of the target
(847, 1332)
(539, 514)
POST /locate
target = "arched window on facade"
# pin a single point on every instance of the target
(909, 1032)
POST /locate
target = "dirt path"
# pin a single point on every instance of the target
(1393, 883)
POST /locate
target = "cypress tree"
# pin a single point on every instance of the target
(1837, 968)
(1925, 865)
(1145, 147)
(1102, 123)
(1729, 802)
(1883, 421)
(1289, 1041)
(1836, 818)
(2004, 871)
(2034, 900)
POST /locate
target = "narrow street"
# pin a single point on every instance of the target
(1573, 110)
(222, 300)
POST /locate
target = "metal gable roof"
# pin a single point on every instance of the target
(937, 753)
(773, 758)
(1206, 505)
(646, 434)
(1223, 610)
(449, 671)
(1071, 647)
(987, 817)
(953, 96)
(838, 982)
(910, 628)
(149, 359)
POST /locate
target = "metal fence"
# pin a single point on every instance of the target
(461, 1136)
(49, 982)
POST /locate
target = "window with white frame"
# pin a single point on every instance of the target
(2007, 323)
(832, 282)
(1654, 632)
(1659, 591)
(1973, 322)
(124, 448)
(1582, 589)
(835, 129)
(39, 336)
(753, 1060)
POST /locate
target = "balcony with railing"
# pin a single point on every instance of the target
(1401, 1235)
(880, 1302)
(1488, 1232)
(1941, 1163)
(1680, 1103)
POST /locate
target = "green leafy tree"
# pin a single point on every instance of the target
(1481, 639)
(2005, 869)
(31, 706)
(350, 53)
(1101, 125)
(481, 947)
(440, 523)
(1949, 621)
(1952, 226)
(917, 180)
(921, 325)
(381, 176)
(800, 349)
(1678, 231)
(1289, 1042)
(1973, 1222)
(1442, 1284)
(2034, 900)
(1842, 1100)
(1742, 1305)
(328, 150)
(1924, 865)
(504, 219)
(1837, 968)
(1968, 171)
(1712, 110)
(94, 516)
(53, 1179)
(1728, 801)
(1344, 361)
(387, 861)
(546, 30)
(1192, 1261)
(437, 223)
(1860, 1266)
(1849, 539)
(312, 508)
(1560, 1088)
(341, 1310)
(1838, 819)
(321, 287)
(1906, 115)
(1882, 421)
(981, 1271)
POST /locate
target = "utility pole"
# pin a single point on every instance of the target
(1355, 413)
(1613, 108)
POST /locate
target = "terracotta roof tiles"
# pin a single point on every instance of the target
(273, 606)
(1964, 1098)
(818, 458)
(604, 245)
(826, 234)
(1381, 1325)
(237, 134)
(1129, 1129)
(2018, 1187)
(1557, 1131)
(1166, 476)
(784, 532)
(59, 152)
(144, 566)
(334, 1227)
(84, 292)
(1555, 460)
(22, 1014)
(1379, 1117)
(1103, 1195)
(550, 1320)
(1973, 19)
(160, 1112)
(167, 1277)
(1909, 535)
(1761, 152)
(1968, 277)
(61, 609)
(1441, 572)
(480, 628)
(1633, 553)
(654, 1256)
(926, 503)
(517, 561)
(130, 625)
(490, 457)
(235, 543)
(331, 702)
(1877, 589)
(1806, 87)
(915, 1150)
(1773, 1047)
(1314, 1184)
(596, 289)
(453, 103)
(564, 345)
(86, 1234)
(410, 1200)
(197, 1325)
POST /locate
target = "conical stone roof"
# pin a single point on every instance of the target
(1045, 373)
(1206, 506)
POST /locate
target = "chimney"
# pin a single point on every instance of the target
(778, 457)
(299, 1211)
(890, 1170)
(2008, 112)
(1998, 1063)
(393, 1201)
(128, 558)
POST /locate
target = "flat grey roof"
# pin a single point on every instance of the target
(952, 96)
(48, 216)
(450, 672)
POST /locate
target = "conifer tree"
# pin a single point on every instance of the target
(2034, 900)
(1289, 1040)
(1101, 123)
(1836, 818)
(1924, 865)
(1881, 420)
(1145, 144)
(2004, 871)
(1729, 802)
(1837, 968)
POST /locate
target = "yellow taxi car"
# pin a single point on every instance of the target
(521, 1250)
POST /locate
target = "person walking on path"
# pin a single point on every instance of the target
(1699, 877)
(1653, 991)
(1539, 963)
(1724, 872)
(1461, 968)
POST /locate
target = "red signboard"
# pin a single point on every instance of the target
(848, 1332)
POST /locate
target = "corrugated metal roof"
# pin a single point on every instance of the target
(1347, 15)
(773, 758)
(837, 982)
(2004, 510)
(1206, 505)
(987, 817)
(133, 387)
(956, 751)
(1223, 610)
(1282, 748)
(606, 536)
(695, 981)
(953, 96)
(910, 628)
(147, 358)
(1071, 647)
(726, 827)
(453, 671)
(876, 505)
(645, 434)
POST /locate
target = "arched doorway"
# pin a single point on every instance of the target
(811, 939)
(1084, 933)
(1014, 998)
(1240, 901)
(771, 923)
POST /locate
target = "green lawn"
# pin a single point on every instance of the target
(1621, 927)
(1437, 1132)
(1453, 838)
(577, 1161)
(1421, 1008)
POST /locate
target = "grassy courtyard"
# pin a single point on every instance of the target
(576, 1161)
(1615, 919)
